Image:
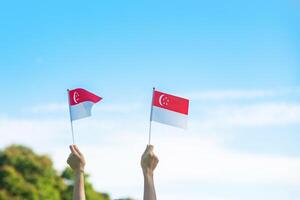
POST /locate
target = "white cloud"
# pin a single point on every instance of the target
(63, 108)
(49, 108)
(230, 94)
(29, 131)
(113, 150)
(124, 107)
(113, 146)
(255, 115)
(266, 114)
(234, 94)
(210, 162)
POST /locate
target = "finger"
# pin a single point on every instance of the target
(69, 159)
(72, 149)
(149, 148)
(71, 156)
(151, 154)
(74, 152)
(77, 150)
(145, 150)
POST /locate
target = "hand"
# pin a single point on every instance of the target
(76, 159)
(149, 161)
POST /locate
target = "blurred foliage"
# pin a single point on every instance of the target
(67, 175)
(25, 175)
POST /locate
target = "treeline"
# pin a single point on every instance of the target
(25, 175)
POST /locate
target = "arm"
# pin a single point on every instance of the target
(77, 162)
(149, 162)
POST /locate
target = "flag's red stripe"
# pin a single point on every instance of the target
(79, 95)
(171, 102)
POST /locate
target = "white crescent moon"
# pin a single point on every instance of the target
(75, 97)
(160, 98)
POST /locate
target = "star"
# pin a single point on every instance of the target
(165, 101)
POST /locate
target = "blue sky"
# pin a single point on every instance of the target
(237, 61)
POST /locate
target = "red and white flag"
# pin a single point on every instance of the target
(169, 109)
(81, 102)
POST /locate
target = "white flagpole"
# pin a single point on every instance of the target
(150, 126)
(68, 91)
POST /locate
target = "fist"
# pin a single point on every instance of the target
(149, 160)
(76, 159)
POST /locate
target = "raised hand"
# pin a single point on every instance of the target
(76, 159)
(77, 162)
(149, 162)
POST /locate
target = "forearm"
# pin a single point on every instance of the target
(79, 193)
(149, 189)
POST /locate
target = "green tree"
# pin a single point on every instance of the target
(25, 175)
(68, 175)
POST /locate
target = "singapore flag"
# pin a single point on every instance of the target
(81, 102)
(169, 109)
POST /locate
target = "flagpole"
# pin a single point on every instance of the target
(150, 125)
(68, 91)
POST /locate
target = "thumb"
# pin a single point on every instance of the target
(149, 148)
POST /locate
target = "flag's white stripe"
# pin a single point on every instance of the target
(169, 117)
(81, 110)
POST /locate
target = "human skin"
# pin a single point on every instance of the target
(149, 162)
(77, 163)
